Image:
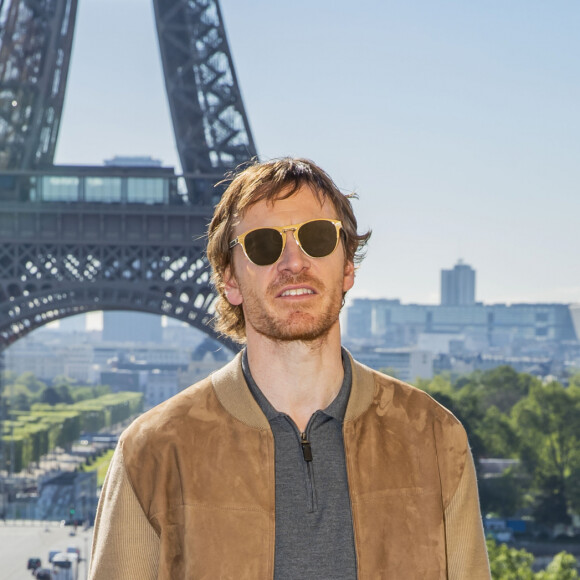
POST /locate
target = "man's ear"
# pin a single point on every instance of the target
(348, 279)
(233, 294)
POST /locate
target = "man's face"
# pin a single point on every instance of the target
(298, 297)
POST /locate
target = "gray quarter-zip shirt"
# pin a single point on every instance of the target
(314, 531)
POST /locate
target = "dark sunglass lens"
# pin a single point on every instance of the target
(263, 246)
(318, 238)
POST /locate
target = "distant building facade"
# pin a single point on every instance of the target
(407, 364)
(131, 327)
(198, 370)
(160, 386)
(537, 338)
(159, 372)
(494, 325)
(46, 360)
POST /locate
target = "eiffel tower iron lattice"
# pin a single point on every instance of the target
(78, 239)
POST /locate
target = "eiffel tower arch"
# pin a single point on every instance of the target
(78, 239)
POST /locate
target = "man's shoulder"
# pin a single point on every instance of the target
(169, 415)
(394, 396)
(401, 416)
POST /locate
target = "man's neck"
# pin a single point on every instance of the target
(297, 377)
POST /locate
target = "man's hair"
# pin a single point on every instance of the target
(270, 181)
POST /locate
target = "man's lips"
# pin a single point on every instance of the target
(296, 291)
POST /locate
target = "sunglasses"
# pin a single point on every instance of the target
(264, 246)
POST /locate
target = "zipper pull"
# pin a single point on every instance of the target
(306, 448)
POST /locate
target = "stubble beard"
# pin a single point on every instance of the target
(298, 325)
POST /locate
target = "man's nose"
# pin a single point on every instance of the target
(293, 258)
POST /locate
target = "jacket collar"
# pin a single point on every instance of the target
(235, 396)
(362, 390)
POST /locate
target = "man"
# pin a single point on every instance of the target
(293, 461)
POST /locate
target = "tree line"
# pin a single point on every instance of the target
(516, 416)
(20, 392)
(40, 418)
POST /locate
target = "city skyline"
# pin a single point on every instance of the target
(456, 124)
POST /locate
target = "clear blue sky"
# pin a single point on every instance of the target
(457, 123)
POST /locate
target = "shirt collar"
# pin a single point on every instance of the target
(336, 409)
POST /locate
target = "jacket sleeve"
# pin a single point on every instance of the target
(466, 549)
(125, 546)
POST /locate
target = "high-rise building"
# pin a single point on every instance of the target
(575, 314)
(458, 286)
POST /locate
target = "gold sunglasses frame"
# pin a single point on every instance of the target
(282, 230)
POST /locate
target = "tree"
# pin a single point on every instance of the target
(497, 434)
(511, 564)
(574, 490)
(551, 504)
(504, 387)
(575, 380)
(508, 563)
(501, 496)
(50, 396)
(501, 387)
(64, 394)
(549, 432)
(562, 567)
(22, 402)
(63, 380)
(31, 382)
(513, 415)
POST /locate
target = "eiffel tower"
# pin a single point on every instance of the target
(79, 239)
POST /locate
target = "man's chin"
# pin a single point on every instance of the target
(306, 329)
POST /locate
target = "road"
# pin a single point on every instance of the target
(19, 542)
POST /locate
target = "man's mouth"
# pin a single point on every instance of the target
(296, 292)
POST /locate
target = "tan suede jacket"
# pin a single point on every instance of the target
(190, 492)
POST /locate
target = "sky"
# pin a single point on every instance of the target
(457, 124)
